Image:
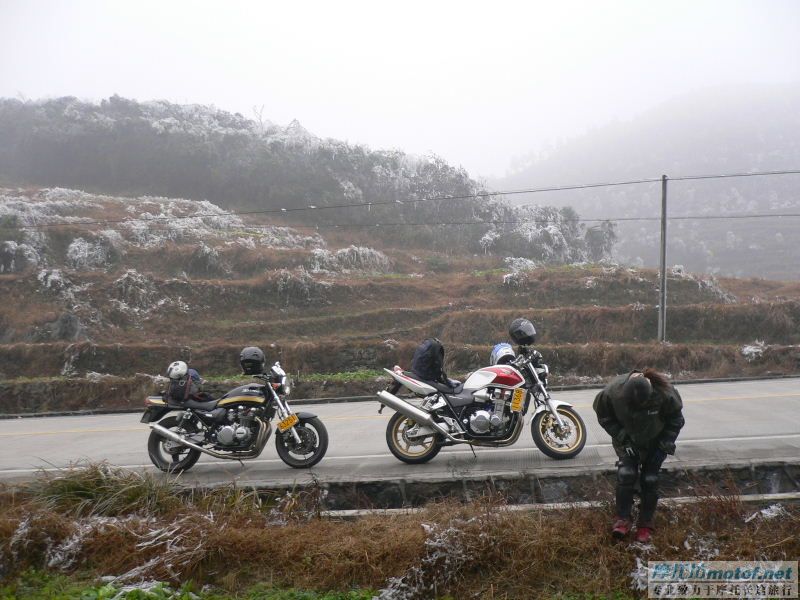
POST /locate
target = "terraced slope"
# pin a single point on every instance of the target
(197, 283)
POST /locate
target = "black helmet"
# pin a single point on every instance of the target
(252, 361)
(522, 332)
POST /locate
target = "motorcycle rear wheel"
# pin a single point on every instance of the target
(169, 456)
(411, 451)
(552, 442)
(314, 444)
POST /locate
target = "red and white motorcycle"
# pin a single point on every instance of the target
(488, 409)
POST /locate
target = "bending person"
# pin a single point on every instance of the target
(642, 412)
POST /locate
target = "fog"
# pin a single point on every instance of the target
(480, 84)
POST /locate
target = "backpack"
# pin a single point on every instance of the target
(428, 361)
(180, 390)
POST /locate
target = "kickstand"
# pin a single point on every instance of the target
(474, 456)
(240, 462)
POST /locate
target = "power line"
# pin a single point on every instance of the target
(728, 175)
(544, 221)
(368, 205)
(248, 228)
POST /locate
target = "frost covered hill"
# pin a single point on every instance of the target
(120, 146)
(80, 266)
(33, 234)
(194, 151)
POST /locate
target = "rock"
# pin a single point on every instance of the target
(66, 328)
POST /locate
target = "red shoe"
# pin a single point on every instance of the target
(644, 534)
(620, 528)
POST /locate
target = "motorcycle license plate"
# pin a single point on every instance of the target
(288, 422)
(517, 400)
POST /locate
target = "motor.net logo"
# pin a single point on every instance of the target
(722, 579)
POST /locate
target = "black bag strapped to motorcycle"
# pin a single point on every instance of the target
(180, 390)
(428, 361)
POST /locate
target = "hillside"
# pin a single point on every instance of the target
(90, 313)
(722, 130)
(99, 290)
(151, 268)
(131, 148)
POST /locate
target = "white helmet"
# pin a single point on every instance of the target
(502, 354)
(177, 370)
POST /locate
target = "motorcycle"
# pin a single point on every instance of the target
(488, 409)
(235, 427)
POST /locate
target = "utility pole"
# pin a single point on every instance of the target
(662, 303)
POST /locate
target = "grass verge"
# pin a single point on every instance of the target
(97, 522)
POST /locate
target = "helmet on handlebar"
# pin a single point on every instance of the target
(522, 332)
(252, 361)
(502, 354)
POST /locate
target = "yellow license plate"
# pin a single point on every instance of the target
(517, 399)
(288, 422)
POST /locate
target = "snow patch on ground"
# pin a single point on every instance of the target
(771, 512)
(703, 548)
(639, 576)
(754, 351)
(447, 552)
(706, 283)
(299, 287)
(519, 264)
(348, 260)
(15, 257)
(115, 224)
(54, 281)
(83, 255)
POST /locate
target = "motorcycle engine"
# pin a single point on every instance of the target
(483, 418)
(238, 431)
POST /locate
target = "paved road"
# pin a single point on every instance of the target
(725, 423)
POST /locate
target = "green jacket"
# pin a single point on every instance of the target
(656, 424)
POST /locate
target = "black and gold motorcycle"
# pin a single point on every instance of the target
(236, 426)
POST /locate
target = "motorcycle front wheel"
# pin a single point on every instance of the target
(555, 442)
(170, 456)
(312, 447)
(411, 450)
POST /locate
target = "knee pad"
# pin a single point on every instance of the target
(626, 474)
(650, 481)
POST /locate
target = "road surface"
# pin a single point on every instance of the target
(725, 423)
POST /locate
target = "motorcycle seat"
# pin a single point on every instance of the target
(454, 386)
(198, 405)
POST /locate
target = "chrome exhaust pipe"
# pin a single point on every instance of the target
(412, 412)
(261, 440)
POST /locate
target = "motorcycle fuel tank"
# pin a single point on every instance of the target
(497, 375)
(244, 394)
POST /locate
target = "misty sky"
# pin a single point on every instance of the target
(477, 83)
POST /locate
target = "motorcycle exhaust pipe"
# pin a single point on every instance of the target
(412, 412)
(179, 439)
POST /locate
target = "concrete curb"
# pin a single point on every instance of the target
(553, 486)
(346, 399)
(679, 501)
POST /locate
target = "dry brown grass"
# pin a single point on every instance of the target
(233, 539)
